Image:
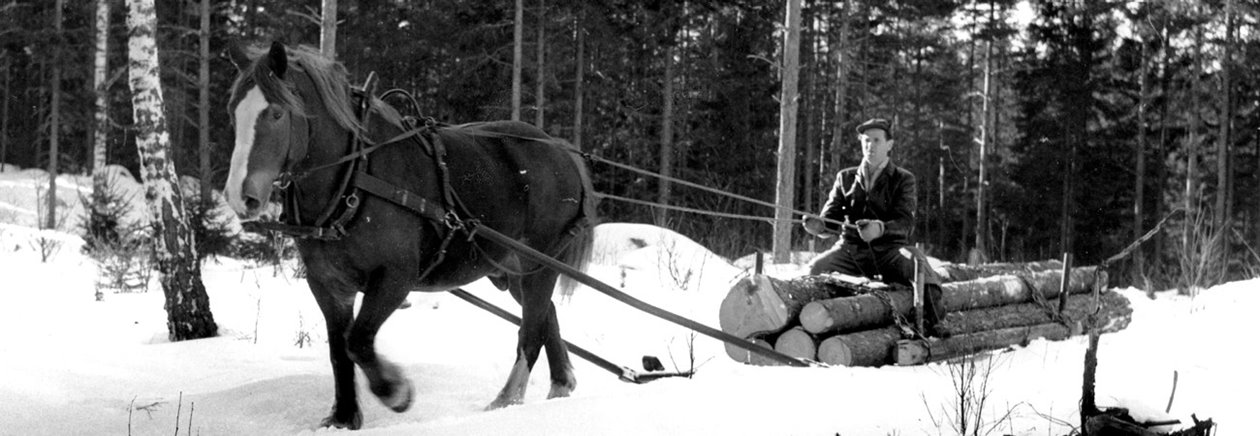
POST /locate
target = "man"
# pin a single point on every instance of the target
(871, 207)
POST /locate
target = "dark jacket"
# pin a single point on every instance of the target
(892, 200)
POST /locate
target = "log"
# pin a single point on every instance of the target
(762, 305)
(744, 356)
(915, 352)
(866, 311)
(798, 343)
(959, 273)
(1115, 309)
(864, 348)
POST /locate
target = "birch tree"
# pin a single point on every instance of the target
(328, 29)
(100, 69)
(187, 305)
(785, 185)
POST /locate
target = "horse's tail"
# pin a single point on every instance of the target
(578, 255)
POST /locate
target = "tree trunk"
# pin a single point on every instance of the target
(4, 115)
(580, 76)
(842, 90)
(187, 305)
(1139, 185)
(540, 79)
(1224, 190)
(1192, 146)
(667, 134)
(100, 125)
(981, 254)
(518, 42)
(785, 183)
(327, 28)
(865, 348)
(54, 129)
(797, 343)
(868, 310)
(203, 97)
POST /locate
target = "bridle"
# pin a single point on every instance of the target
(330, 224)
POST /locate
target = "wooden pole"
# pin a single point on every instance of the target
(918, 297)
(563, 268)
(1063, 284)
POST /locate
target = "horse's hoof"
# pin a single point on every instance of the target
(559, 390)
(500, 403)
(401, 400)
(354, 422)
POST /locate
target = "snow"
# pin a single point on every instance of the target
(73, 365)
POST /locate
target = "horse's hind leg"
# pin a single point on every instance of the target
(383, 295)
(539, 327)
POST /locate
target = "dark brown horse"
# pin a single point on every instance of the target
(381, 205)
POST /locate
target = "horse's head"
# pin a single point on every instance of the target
(272, 132)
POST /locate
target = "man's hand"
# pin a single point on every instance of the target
(814, 225)
(870, 230)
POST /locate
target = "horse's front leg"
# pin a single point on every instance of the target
(385, 291)
(338, 309)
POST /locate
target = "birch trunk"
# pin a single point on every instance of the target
(100, 69)
(327, 29)
(187, 305)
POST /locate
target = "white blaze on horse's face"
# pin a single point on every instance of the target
(246, 113)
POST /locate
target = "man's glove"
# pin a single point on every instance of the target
(870, 230)
(815, 226)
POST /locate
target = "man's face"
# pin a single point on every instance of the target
(875, 145)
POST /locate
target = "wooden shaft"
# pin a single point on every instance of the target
(581, 277)
(624, 373)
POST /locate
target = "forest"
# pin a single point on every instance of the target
(1034, 127)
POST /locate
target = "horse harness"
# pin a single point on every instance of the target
(331, 224)
(442, 215)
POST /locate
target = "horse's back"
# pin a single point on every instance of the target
(513, 171)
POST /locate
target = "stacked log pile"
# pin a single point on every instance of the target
(844, 320)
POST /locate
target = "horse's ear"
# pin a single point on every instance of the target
(237, 55)
(277, 59)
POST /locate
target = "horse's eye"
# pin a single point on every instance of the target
(277, 114)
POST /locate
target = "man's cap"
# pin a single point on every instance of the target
(875, 123)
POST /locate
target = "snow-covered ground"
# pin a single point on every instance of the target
(72, 365)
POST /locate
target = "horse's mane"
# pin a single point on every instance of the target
(329, 78)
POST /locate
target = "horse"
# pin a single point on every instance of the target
(382, 205)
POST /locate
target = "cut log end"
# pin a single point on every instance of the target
(797, 343)
(752, 307)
